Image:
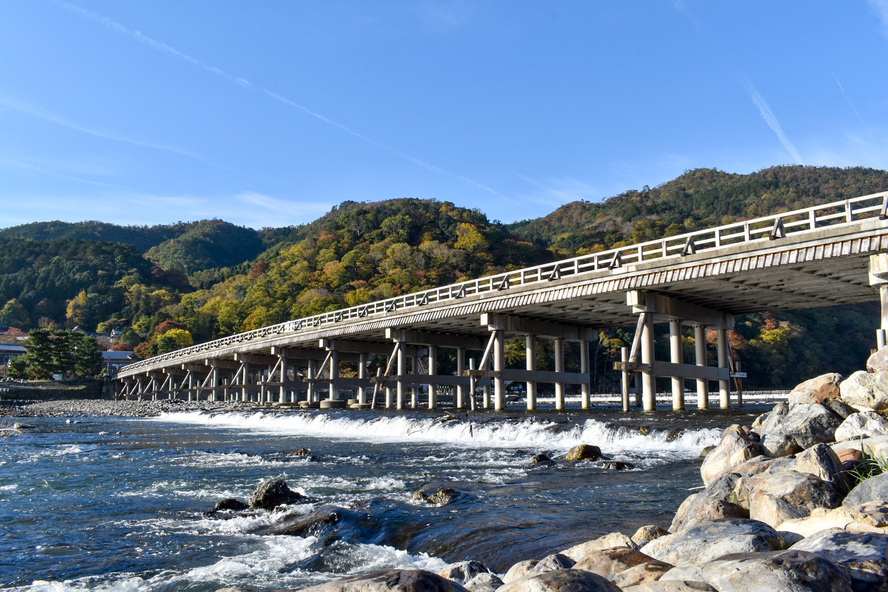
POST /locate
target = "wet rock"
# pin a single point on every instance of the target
(230, 504)
(616, 465)
(795, 571)
(542, 459)
(819, 389)
(861, 555)
(646, 534)
(484, 582)
(305, 454)
(624, 567)
(706, 450)
(307, 525)
(707, 540)
(463, 571)
(391, 580)
(439, 498)
(811, 423)
(272, 494)
(863, 390)
(779, 496)
(584, 452)
(734, 448)
(561, 580)
(614, 540)
(864, 424)
(870, 490)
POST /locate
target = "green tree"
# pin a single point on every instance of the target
(87, 357)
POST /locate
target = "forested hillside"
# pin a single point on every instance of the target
(169, 286)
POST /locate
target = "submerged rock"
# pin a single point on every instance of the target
(584, 452)
(230, 504)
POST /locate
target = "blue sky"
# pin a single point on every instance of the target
(270, 113)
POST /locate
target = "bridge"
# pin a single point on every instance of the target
(819, 256)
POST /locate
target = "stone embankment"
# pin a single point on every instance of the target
(795, 502)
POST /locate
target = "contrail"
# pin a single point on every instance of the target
(771, 120)
(850, 104)
(163, 47)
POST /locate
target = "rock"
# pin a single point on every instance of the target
(841, 409)
(519, 570)
(771, 420)
(440, 498)
(561, 580)
(734, 448)
(819, 389)
(391, 580)
(230, 504)
(863, 390)
(811, 423)
(868, 517)
(861, 555)
(463, 571)
(616, 465)
(874, 447)
(707, 540)
(699, 507)
(584, 452)
(870, 490)
(777, 443)
(614, 540)
(272, 494)
(779, 496)
(864, 424)
(646, 534)
(849, 457)
(306, 524)
(549, 563)
(671, 586)
(782, 571)
(706, 450)
(542, 459)
(822, 462)
(878, 362)
(484, 582)
(624, 567)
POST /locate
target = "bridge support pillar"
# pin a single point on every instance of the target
(559, 368)
(648, 378)
(584, 369)
(878, 278)
(625, 375)
(700, 359)
(724, 386)
(433, 369)
(460, 370)
(414, 390)
(400, 392)
(499, 364)
(530, 365)
(362, 374)
(675, 356)
(333, 393)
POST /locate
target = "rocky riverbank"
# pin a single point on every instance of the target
(794, 502)
(102, 407)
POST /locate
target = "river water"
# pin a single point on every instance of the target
(121, 504)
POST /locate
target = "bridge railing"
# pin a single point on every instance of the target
(766, 228)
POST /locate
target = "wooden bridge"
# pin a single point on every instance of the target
(818, 256)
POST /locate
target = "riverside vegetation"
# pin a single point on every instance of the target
(794, 502)
(165, 287)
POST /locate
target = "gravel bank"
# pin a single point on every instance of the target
(103, 407)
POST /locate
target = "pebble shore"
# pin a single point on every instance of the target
(103, 407)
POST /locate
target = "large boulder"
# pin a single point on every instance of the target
(822, 462)
(614, 540)
(463, 571)
(561, 580)
(864, 424)
(779, 496)
(671, 586)
(819, 389)
(700, 506)
(863, 555)
(782, 571)
(647, 533)
(734, 448)
(391, 580)
(770, 420)
(624, 567)
(868, 517)
(484, 582)
(272, 494)
(707, 540)
(863, 390)
(584, 452)
(811, 423)
(878, 362)
(532, 567)
(870, 490)
(777, 443)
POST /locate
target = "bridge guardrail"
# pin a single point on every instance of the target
(769, 227)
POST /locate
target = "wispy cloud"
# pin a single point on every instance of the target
(771, 120)
(680, 7)
(880, 7)
(163, 47)
(850, 104)
(33, 168)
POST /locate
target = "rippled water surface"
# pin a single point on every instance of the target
(120, 504)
